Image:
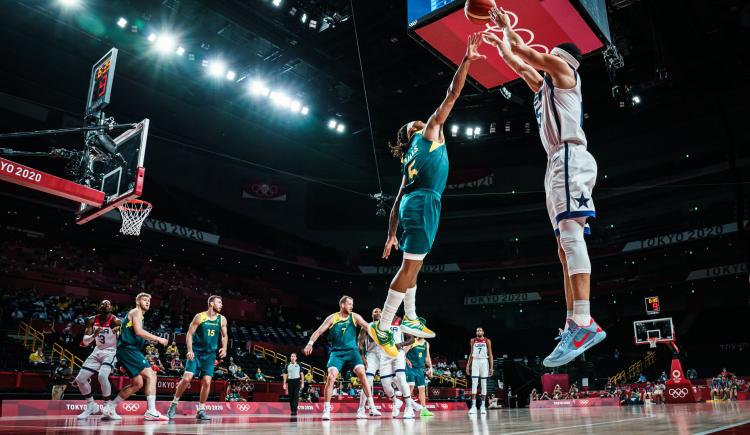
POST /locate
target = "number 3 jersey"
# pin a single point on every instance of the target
(106, 338)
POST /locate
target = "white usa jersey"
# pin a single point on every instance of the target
(398, 336)
(479, 349)
(106, 338)
(559, 115)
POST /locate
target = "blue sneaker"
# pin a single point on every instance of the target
(573, 342)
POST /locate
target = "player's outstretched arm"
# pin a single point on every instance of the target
(434, 129)
(529, 75)
(552, 65)
(224, 338)
(392, 242)
(406, 344)
(359, 320)
(471, 352)
(428, 361)
(136, 316)
(189, 336)
(318, 332)
(89, 335)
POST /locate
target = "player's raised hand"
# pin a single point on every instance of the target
(500, 18)
(491, 38)
(472, 47)
(392, 242)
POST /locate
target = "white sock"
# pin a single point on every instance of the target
(326, 406)
(371, 402)
(90, 399)
(176, 400)
(152, 404)
(117, 400)
(201, 406)
(410, 303)
(581, 313)
(392, 304)
(568, 315)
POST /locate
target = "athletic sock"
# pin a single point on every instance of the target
(582, 312)
(392, 304)
(410, 303)
(568, 315)
(117, 400)
(176, 400)
(152, 404)
(201, 407)
(90, 399)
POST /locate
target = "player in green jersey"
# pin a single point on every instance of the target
(424, 160)
(202, 341)
(342, 334)
(417, 359)
(130, 355)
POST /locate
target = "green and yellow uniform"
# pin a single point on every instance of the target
(425, 166)
(130, 349)
(416, 355)
(343, 337)
(205, 345)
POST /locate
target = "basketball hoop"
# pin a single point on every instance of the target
(652, 343)
(134, 212)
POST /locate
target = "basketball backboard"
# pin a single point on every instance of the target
(661, 330)
(119, 179)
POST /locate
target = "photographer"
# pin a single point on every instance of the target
(60, 377)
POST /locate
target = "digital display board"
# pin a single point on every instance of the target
(419, 9)
(100, 85)
(542, 25)
(652, 305)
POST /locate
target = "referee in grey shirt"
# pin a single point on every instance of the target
(293, 382)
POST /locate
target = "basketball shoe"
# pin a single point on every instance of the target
(384, 339)
(575, 341)
(416, 327)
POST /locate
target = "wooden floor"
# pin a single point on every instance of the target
(701, 418)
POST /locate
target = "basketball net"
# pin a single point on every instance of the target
(652, 343)
(134, 212)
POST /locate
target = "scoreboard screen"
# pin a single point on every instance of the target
(652, 305)
(417, 10)
(100, 85)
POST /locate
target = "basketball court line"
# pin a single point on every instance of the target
(718, 429)
(560, 428)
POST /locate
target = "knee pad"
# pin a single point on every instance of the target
(572, 242)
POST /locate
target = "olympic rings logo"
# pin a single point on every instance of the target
(528, 33)
(676, 374)
(244, 407)
(264, 189)
(131, 407)
(583, 402)
(678, 393)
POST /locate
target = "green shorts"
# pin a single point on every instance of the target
(415, 376)
(133, 360)
(419, 216)
(201, 365)
(343, 358)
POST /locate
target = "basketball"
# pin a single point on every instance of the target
(478, 11)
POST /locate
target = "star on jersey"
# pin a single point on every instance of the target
(582, 201)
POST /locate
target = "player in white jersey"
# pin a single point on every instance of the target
(371, 356)
(480, 368)
(570, 176)
(393, 373)
(102, 330)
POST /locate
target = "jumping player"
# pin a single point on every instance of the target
(342, 333)
(480, 368)
(570, 176)
(130, 355)
(202, 341)
(417, 357)
(101, 329)
(421, 148)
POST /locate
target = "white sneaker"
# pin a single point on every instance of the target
(361, 413)
(417, 407)
(91, 409)
(374, 412)
(110, 412)
(151, 416)
(482, 410)
(396, 407)
(327, 414)
(472, 410)
(408, 412)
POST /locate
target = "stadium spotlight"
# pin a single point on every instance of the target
(305, 110)
(180, 50)
(152, 37)
(122, 22)
(469, 131)
(69, 3)
(276, 3)
(295, 106)
(216, 68)
(257, 87)
(454, 130)
(303, 18)
(231, 75)
(280, 99)
(165, 44)
(340, 128)
(332, 123)
(477, 130)
(636, 100)
(313, 24)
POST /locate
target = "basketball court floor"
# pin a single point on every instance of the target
(698, 418)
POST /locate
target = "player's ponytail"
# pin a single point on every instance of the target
(402, 142)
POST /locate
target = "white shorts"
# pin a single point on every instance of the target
(569, 183)
(99, 358)
(390, 366)
(480, 368)
(373, 363)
